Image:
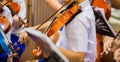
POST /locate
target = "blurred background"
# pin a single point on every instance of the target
(115, 19)
(37, 11)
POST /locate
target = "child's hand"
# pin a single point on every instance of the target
(16, 22)
(23, 37)
(16, 18)
(107, 42)
(117, 55)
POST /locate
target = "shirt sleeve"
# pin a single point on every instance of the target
(77, 33)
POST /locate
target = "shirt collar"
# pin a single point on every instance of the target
(84, 4)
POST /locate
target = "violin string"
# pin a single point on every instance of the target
(49, 18)
(49, 25)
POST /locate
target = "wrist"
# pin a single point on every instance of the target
(106, 38)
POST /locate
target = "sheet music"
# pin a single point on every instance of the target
(102, 13)
(46, 44)
(102, 25)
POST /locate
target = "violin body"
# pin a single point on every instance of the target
(5, 24)
(14, 6)
(3, 20)
(63, 19)
(102, 4)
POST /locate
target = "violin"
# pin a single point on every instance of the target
(14, 8)
(5, 24)
(65, 15)
(13, 5)
(107, 11)
(62, 20)
(66, 12)
(103, 4)
(12, 49)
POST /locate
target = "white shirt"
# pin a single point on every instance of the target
(80, 34)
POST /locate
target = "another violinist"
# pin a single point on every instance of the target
(115, 4)
(16, 26)
(107, 40)
(78, 38)
(6, 13)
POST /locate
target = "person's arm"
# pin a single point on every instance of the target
(42, 28)
(73, 56)
(54, 4)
